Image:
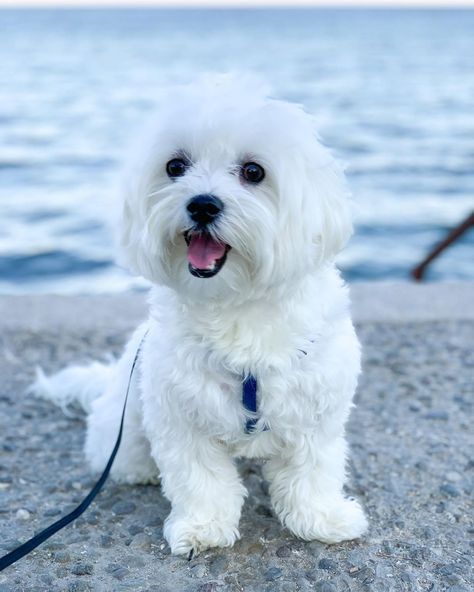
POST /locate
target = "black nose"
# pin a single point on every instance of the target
(204, 209)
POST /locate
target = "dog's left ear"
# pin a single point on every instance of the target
(334, 226)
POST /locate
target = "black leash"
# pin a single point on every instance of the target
(48, 532)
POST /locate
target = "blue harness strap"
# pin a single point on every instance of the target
(249, 401)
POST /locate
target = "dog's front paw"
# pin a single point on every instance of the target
(188, 535)
(326, 520)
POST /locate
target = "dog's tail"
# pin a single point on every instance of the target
(75, 384)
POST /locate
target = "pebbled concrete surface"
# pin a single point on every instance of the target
(412, 466)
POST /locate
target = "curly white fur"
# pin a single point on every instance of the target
(277, 309)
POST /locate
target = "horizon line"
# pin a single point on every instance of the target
(242, 4)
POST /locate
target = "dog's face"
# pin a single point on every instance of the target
(232, 196)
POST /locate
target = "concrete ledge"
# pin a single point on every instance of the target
(396, 302)
(410, 436)
(401, 302)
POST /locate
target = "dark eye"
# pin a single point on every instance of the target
(176, 167)
(253, 172)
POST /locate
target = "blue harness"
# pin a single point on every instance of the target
(249, 401)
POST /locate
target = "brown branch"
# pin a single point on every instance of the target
(418, 271)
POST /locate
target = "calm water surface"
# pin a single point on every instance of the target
(393, 92)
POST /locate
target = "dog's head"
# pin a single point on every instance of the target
(232, 194)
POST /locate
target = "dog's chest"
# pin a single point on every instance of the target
(253, 393)
(206, 376)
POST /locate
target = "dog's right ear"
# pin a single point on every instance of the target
(130, 232)
(126, 238)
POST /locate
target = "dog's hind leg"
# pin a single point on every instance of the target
(100, 390)
(133, 463)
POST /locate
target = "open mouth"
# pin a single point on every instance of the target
(206, 255)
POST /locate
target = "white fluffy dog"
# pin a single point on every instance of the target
(235, 212)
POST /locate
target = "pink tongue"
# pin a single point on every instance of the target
(203, 251)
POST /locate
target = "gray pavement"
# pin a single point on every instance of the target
(412, 461)
(371, 301)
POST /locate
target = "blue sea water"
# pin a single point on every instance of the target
(393, 91)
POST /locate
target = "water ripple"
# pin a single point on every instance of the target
(392, 92)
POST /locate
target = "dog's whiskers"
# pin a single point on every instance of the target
(154, 193)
